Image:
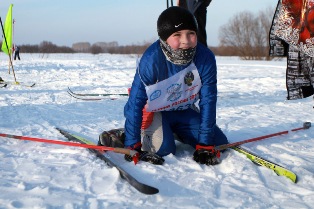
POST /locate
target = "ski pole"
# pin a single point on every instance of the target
(306, 125)
(72, 144)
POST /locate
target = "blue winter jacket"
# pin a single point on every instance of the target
(154, 67)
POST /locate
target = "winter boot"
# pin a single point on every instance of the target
(112, 138)
(1, 80)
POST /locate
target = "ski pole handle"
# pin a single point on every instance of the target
(306, 125)
(124, 151)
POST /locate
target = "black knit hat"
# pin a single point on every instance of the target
(175, 19)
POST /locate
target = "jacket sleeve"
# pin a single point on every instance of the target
(208, 100)
(146, 74)
(133, 112)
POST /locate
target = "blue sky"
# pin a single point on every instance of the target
(64, 22)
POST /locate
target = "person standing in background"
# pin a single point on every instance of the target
(199, 9)
(17, 52)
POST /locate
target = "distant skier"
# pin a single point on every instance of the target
(173, 74)
(17, 52)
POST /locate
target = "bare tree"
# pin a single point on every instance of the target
(95, 49)
(248, 34)
(47, 47)
(266, 18)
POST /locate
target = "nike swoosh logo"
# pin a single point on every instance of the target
(178, 25)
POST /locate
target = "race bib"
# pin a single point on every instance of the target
(178, 92)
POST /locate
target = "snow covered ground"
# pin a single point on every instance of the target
(252, 102)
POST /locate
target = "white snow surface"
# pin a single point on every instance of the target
(251, 103)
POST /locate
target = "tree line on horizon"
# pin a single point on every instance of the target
(246, 35)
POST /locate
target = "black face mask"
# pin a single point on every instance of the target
(179, 56)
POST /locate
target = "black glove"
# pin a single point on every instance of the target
(144, 156)
(205, 154)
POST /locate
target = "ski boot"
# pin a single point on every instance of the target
(112, 138)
